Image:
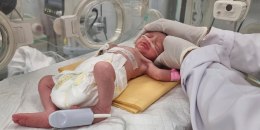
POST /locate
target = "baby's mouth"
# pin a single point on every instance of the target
(151, 45)
(145, 45)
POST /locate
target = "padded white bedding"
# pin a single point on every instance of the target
(20, 94)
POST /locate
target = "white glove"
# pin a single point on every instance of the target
(190, 33)
(174, 51)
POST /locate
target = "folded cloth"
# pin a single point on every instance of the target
(139, 94)
(142, 92)
(27, 59)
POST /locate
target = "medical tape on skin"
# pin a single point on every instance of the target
(152, 45)
(129, 54)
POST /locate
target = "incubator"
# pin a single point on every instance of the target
(96, 22)
(13, 34)
(80, 26)
(64, 29)
(236, 15)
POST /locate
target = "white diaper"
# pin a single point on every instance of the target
(78, 87)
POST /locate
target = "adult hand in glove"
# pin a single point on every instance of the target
(174, 51)
(190, 33)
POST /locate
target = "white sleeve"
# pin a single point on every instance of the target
(241, 50)
(220, 98)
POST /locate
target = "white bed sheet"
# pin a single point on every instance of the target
(20, 94)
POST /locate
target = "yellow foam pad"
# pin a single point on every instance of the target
(140, 93)
(70, 66)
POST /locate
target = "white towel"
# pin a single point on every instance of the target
(27, 59)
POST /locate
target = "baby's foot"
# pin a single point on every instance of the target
(37, 120)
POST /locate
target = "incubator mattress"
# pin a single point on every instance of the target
(20, 94)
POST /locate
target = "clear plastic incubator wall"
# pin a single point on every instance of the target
(40, 36)
(43, 28)
(37, 34)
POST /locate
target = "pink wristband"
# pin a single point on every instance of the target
(175, 75)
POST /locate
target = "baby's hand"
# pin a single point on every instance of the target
(144, 59)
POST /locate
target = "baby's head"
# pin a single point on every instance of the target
(150, 44)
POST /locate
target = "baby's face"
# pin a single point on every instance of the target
(150, 44)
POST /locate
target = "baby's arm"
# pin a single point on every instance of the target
(162, 74)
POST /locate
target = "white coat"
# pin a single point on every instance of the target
(220, 97)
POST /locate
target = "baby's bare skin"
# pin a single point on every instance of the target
(141, 62)
(104, 76)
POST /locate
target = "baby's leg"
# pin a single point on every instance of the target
(40, 119)
(104, 75)
(45, 87)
